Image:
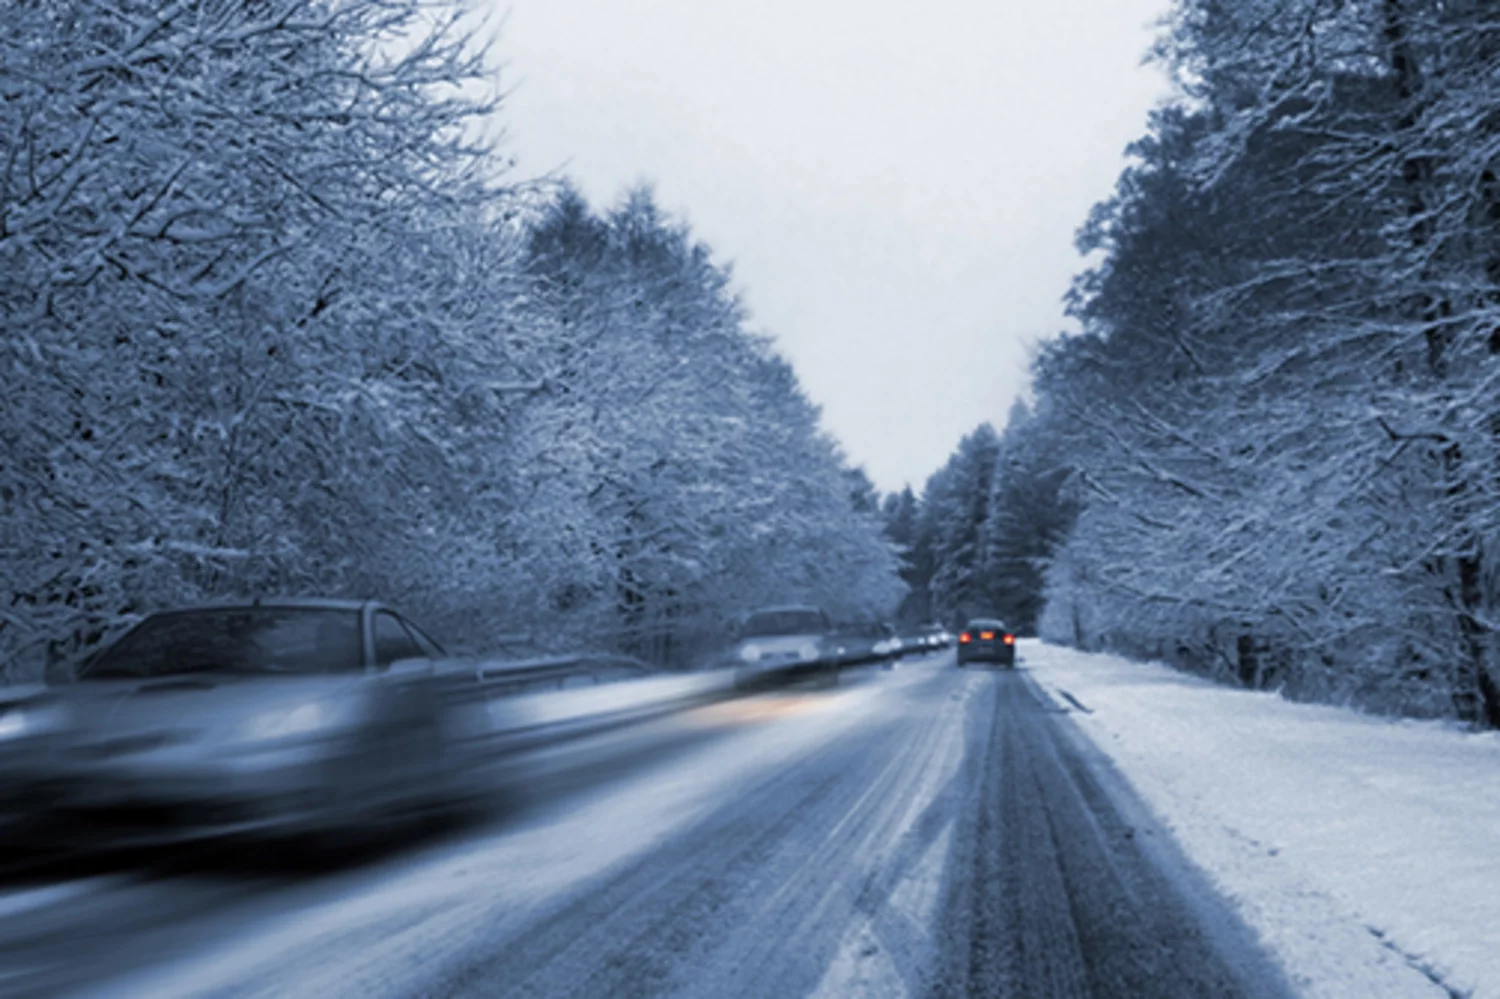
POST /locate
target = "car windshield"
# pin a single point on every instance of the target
(235, 640)
(786, 622)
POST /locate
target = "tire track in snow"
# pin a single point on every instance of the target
(1065, 887)
(757, 900)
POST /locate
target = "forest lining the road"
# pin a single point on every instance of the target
(1271, 455)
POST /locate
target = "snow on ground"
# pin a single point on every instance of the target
(1364, 851)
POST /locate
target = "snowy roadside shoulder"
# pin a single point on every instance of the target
(1364, 851)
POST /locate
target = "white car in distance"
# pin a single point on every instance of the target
(782, 644)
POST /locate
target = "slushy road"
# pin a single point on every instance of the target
(925, 832)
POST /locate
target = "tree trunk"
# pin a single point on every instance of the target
(1478, 696)
(1247, 661)
(1475, 696)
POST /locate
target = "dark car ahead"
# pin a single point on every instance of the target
(986, 640)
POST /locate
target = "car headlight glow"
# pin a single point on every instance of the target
(807, 651)
(285, 722)
(13, 723)
(750, 653)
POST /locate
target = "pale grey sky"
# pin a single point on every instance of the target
(896, 184)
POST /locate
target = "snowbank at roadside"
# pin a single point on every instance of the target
(1364, 851)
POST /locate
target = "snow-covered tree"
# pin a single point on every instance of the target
(1282, 408)
(706, 482)
(955, 510)
(271, 323)
(188, 196)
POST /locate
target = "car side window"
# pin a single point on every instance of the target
(430, 649)
(392, 641)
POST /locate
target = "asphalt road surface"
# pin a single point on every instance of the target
(923, 832)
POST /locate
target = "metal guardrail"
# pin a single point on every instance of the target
(544, 700)
(526, 704)
(492, 671)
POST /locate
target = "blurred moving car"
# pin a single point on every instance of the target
(285, 716)
(785, 643)
(542, 701)
(859, 643)
(935, 636)
(894, 646)
(24, 710)
(986, 639)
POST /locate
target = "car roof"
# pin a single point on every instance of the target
(787, 609)
(315, 603)
(975, 622)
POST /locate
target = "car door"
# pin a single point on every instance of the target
(409, 727)
(393, 641)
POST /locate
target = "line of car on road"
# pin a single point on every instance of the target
(782, 644)
(341, 719)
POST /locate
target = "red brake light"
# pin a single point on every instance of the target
(1010, 639)
(987, 636)
(965, 638)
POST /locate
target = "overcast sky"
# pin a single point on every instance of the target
(897, 184)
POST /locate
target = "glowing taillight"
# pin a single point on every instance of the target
(988, 636)
(1010, 639)
(965, 638)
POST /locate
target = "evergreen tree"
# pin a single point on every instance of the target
(1280, 411)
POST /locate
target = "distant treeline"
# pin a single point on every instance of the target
(273, 322)
(975, 543)
(1277, 438)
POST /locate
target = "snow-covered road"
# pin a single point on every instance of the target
(1364, 851)
(920, 832)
